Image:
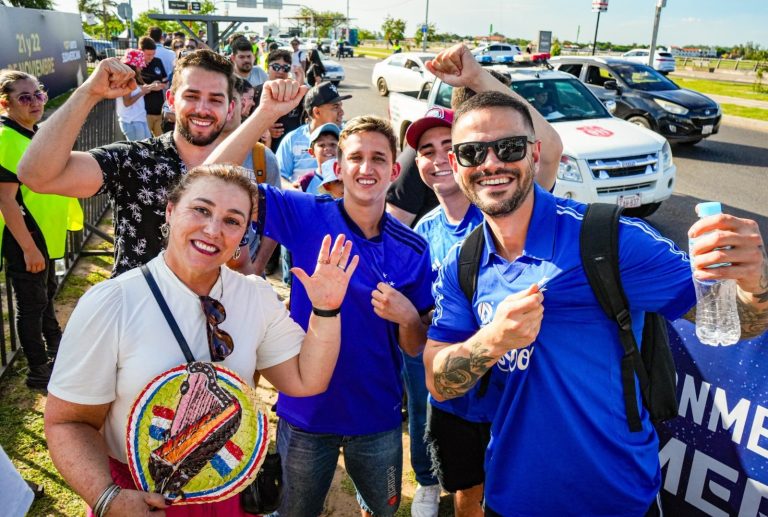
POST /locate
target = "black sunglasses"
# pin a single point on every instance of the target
(507, 149)
(220, 343)
(280, 68)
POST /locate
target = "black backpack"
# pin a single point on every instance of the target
(654, 365)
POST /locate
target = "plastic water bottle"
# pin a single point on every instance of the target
(717, 318)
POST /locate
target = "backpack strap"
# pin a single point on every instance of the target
(469, 265)
(599, 240)
(259, 156)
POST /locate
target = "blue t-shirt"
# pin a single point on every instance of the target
(441, 236)
(560, 442)
(293, 154)
(365, 393)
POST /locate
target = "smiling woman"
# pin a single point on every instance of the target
(119, 344)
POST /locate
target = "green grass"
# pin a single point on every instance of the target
(745, 111)
(379, 52)
(705, 86)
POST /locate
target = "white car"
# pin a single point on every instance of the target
(496, 53)
(402, 72)
(663, 61)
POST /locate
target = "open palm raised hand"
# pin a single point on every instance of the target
(328, 284)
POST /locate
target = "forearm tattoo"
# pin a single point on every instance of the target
(458, 373)
(762, 295)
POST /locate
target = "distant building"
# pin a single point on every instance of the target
(693, 52)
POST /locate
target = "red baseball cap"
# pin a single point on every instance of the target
(434, 117)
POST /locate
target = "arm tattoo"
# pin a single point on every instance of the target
(754, 320)
(458, 373)
(762, 296)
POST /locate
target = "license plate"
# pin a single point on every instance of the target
(632, 201)
(707, 130)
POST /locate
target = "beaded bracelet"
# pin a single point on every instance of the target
(105, 499)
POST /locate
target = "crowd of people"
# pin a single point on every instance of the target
(261, 156)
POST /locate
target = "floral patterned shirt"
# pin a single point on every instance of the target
(138, 177)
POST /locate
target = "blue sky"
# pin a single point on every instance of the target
(682, 21)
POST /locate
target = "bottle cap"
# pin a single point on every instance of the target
(709, 208)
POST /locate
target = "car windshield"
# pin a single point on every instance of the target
(561, 99)
(642, 77)
(556, 99)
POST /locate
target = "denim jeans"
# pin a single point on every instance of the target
(374, 462)
(286, 263)
(135, 130)
(35, 316)
(415, 386)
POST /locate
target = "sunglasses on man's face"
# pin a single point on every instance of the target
(220, 343)
(507, 149)
(26, 99)
(280, 68)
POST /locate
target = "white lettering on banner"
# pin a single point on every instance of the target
(689, 398)
(702, 465)
(736, 418)
(754, 493)
(672, 456)
(517, 359)
(758, 431)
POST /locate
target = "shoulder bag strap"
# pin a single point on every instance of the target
(167, 313)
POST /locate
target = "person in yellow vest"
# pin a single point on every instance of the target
(33, 227)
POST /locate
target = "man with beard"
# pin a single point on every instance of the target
(136, 175)
(243, 58)
(560, 439)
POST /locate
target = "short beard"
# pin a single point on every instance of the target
(524, 178)
(200, 141)
(245, 69)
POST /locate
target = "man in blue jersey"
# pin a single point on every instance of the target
(361, 410)
(560, 443)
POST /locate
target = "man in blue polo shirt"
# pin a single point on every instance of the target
(560, 443)
(361, 410)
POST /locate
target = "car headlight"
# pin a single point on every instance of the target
(665, 157)
(568, 170)
(671, 107)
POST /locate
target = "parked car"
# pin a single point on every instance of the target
(97, 49)
(605, 159)
(663, 61)
(646, 98)
(496, 53)
(402, 72)
(348, 51)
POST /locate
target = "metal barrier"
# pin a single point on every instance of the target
(100, 128)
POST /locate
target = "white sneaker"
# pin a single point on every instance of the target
(426, 501)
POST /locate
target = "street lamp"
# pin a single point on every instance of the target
(660, 4)
(425, 30)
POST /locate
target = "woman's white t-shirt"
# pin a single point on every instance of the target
(133, 113)
(117, 339)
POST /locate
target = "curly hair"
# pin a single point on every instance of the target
(207, 60)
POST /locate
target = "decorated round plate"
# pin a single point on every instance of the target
(196, 435)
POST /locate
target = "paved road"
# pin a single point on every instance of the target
(731, 167)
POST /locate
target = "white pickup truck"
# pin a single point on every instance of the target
(605, 159)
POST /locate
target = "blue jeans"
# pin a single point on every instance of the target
(135, 130)
(415, 385)
(374, 462)
(286, 263)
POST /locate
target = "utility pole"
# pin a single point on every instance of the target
(425, 29)
(660, 4)
(598, 6)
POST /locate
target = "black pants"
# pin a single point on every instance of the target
(35, 316)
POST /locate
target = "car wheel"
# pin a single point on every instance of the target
(381, 84)
(642, 210)
(640, 120)
(691, 142)
(90, 55)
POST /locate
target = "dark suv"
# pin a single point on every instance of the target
(646, 97)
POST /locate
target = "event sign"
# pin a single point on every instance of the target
(46, 44)
(714, 456)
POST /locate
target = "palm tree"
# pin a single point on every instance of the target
(31, 4)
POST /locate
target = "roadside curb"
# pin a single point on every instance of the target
(745, 123)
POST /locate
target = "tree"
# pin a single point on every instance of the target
(556, 48)
(393, 29)
(143, 22)
(431, 31)
(32, 4)
(321, 23)
(365, 34)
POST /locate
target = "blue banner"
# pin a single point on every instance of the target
(714, 456)
(46, 44)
